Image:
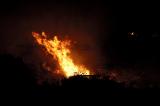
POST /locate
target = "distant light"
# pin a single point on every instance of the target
(132, 33)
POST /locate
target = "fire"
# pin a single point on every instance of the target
(62, 54)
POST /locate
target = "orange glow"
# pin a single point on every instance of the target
(61, 53)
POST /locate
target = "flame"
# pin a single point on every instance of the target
(61, 53)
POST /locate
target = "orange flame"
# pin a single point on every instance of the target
(60, 52)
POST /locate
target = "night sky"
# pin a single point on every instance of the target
(123, 37)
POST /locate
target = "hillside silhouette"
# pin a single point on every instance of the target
(17, 79)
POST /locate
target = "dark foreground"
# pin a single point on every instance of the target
(18, 81)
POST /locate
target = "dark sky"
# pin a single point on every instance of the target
(101, 26)
(84, 22)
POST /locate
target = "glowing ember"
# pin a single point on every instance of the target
(61, 53)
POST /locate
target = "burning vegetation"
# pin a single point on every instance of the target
(60, 51)
(67, 68)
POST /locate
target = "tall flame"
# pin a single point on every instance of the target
(61, 52)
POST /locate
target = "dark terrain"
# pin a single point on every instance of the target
(18, 80)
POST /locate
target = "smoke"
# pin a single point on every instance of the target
(82, 24)
(88, 25)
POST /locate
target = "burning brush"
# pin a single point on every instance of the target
(62, 54)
